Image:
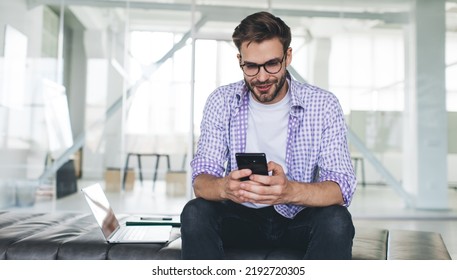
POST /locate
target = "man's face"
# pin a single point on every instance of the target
(266, 87)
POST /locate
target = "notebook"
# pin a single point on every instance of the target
(112, 230)
(173, 221)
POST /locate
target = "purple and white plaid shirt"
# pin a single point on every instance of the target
(317, 148)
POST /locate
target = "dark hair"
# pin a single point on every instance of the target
(262, 26)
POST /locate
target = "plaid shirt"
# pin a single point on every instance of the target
(317, 148)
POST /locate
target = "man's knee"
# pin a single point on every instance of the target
(336, 220)
(198, 206)
(196, 212)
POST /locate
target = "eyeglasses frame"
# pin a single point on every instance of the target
(263, 65)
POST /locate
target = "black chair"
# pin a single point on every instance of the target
(139, 155)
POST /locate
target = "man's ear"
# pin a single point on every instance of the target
(239, 57)
(289, 56)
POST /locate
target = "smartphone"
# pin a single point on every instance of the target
(257, 162)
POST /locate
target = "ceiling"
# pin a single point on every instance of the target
(218, 17)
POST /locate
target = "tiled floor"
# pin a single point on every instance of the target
(372, 206)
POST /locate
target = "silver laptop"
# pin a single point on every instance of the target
(115, 232)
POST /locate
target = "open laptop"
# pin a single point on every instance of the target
(115, 232)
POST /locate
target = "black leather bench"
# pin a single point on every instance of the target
(75, 236)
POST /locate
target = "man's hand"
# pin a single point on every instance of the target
(262, 189)
(232, 185)
(215, 188)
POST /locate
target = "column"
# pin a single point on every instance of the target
(425, 116)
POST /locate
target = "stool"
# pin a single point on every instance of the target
(138, 155)
(356, 160)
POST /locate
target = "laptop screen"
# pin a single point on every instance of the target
(101, 209)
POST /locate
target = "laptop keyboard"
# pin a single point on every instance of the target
(133, 234)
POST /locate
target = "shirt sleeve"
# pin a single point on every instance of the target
(212, 148)
(335, 161)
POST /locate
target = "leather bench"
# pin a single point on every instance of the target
(75, 236)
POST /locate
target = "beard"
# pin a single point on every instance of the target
(272, 88)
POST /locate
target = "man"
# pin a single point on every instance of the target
(301, 128)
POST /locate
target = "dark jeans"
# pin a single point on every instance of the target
(207, 227)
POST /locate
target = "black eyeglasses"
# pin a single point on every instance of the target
(272, 67)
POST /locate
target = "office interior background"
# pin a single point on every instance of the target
(87, 85)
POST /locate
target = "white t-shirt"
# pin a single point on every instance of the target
(267, 132)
